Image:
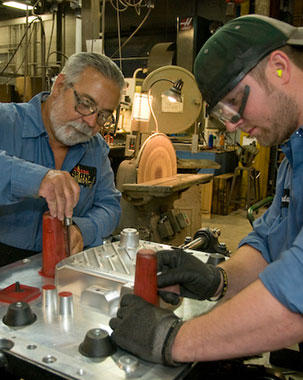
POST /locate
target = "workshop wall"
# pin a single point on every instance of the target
(160, 26)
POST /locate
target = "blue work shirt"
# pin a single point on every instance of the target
(25, 158)
(278, 233)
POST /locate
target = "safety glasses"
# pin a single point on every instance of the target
(231, 107)
(85, 108)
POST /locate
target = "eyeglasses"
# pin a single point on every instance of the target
(85, 108)
(231, 107)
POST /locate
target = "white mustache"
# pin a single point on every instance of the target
(82, 128)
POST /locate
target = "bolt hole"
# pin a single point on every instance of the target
(49, 359)
(81, 372)
(31, 347)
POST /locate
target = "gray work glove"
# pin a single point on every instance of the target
(145, 330)
(197, 280)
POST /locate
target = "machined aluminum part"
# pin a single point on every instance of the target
(100, 276)
(97, 278)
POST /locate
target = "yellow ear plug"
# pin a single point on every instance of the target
(279, 71)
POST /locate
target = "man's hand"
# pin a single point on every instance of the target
(196, 279)
(76, 239)
(145, 330)
(61, 193)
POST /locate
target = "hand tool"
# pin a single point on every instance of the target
(53, 244)
(68, 222)
(146, 276)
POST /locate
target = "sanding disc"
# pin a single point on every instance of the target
(156, 159)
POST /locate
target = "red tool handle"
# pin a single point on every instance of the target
(146, 276)
(53, 244)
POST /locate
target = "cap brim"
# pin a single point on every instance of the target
(296, 38)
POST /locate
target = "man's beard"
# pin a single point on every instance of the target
(70, 133)
(284, 120)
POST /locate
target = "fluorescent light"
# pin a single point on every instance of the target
(16, 4)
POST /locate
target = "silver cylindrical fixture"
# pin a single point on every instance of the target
(129, 238)
(49, 297)
(65, 303)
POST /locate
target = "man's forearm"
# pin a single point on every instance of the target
(15, 186)
(251, 322)
(242, 269)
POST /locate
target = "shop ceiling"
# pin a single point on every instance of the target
(159, 26)
(7, 13)
(164, 12)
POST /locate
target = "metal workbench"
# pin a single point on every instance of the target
(49, 347)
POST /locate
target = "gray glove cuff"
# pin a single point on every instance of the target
(168, 342)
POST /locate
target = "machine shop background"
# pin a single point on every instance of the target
(218, 176)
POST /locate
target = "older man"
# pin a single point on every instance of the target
(52, 157)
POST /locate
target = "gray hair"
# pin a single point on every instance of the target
(78, 62)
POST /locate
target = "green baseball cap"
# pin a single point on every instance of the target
(235, 49)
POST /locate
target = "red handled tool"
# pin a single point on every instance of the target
(53, 244)
(146, 276)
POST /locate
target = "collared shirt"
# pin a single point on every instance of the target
(278, 233)
(25, 158)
